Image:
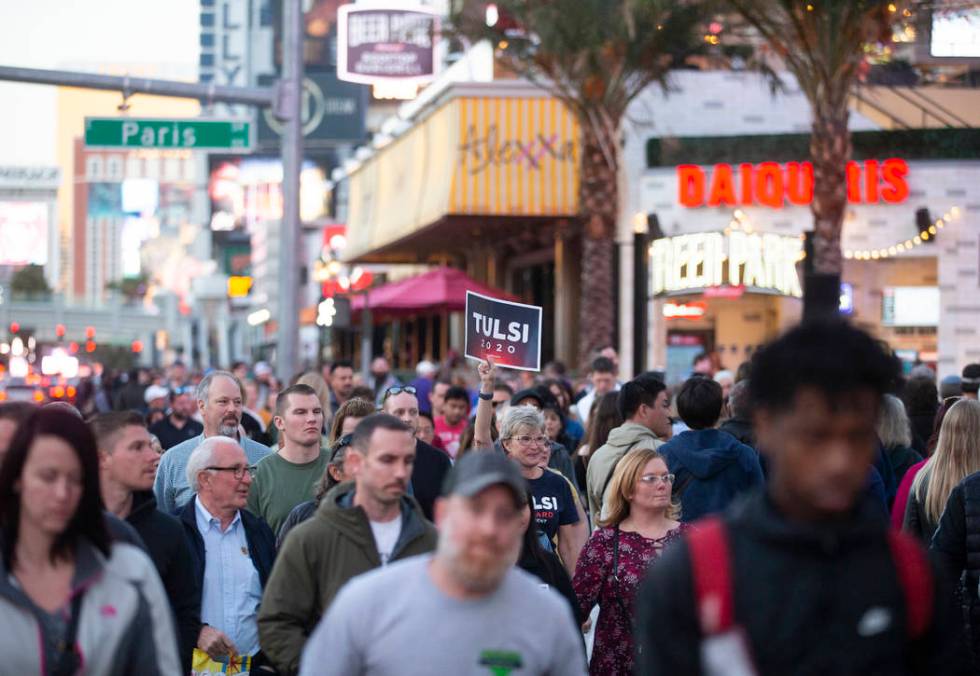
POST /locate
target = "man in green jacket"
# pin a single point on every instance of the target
(645, 406)
(359, 526)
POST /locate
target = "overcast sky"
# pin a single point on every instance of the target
(83, 35)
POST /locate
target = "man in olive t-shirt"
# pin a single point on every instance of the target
(290, 476)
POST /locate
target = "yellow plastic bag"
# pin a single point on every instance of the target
(203, 665)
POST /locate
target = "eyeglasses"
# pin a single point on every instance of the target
(237, 471)
(654, 479)
(527, 441)
(398, 389)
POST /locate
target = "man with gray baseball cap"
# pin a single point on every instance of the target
(463, 610)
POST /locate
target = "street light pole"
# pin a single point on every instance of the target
(290, 91)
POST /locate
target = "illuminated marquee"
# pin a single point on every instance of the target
(772, 185)
(709, 259)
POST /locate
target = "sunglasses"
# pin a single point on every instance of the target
(398, 389)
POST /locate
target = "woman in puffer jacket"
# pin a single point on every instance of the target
(72, 600)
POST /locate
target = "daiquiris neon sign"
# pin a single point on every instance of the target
(774, 185)
(765, 262)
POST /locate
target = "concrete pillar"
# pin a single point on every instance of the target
(203, 341)
(223, 328)
(567, 297)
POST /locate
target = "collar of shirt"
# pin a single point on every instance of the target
(205, 520)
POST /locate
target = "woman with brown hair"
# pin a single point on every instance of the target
(641, 521)
(957, 456)
(603, 419)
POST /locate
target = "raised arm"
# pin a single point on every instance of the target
(482, 437)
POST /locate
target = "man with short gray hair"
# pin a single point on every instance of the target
(220, 399)
(233, 549)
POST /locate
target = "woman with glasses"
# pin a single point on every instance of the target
(957, 456)
(555, 507)
(71, 598)
(641, 522)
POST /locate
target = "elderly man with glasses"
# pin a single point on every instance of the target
(233, 549)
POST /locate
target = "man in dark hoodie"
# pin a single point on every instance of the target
(711, 467)
(806, 577)
(359, 526)
(127, 466)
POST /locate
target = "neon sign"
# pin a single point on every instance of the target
(694, 310)
(773, 185)
(710, 259)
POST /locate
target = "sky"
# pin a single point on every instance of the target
(83, 35)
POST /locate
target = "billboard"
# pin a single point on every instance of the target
(23, 233)
(910, 306)
(387, 43)
(955, 33)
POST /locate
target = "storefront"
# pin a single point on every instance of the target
(725, 276)
(484, 180)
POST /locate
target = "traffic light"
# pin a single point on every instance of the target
(90, 333)
(59, 330)
(137, 346)
(14, 328)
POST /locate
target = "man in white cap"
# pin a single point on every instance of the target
(156, 398)
(426, 372)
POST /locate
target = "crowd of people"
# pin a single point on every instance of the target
(768, 520)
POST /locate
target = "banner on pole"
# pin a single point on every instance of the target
(509, 333)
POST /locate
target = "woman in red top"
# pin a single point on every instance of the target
(641, 521)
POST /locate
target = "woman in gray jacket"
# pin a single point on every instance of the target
(71, 599)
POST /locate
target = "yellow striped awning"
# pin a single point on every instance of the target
(474, 156)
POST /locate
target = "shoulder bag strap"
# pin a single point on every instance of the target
(711, 569)
(68, 658)
(915, 578)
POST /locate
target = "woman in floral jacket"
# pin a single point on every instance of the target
(641, 521)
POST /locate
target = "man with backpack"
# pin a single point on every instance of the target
(806, 577)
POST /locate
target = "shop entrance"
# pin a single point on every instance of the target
(682, 347)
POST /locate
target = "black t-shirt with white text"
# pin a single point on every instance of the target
(554, 504)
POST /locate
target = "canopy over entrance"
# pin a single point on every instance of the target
(442, 289)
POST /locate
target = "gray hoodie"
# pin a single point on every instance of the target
(603, 462)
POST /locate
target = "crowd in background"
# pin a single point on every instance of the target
(243, 506)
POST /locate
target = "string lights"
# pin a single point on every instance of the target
(907, 245)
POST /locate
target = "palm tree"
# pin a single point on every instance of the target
(822, 43)
(595, 56)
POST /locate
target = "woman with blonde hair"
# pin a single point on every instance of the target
(957, 456)
(641, 520)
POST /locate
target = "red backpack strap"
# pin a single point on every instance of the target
(915, 577)
(711, 567)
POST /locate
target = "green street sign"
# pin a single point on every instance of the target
(188, 133)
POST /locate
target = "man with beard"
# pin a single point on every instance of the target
(178, 426)
(464, 610)
(220, 399)
(357, 527)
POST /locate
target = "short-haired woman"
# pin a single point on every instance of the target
(895, 434)
(69, 595)
(641, 521)
(555, 502)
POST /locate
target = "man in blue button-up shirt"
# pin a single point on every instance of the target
(234, 548)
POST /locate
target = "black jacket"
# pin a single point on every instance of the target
(740, 429)
(258, 535)
(957, 548)
(428, 474)
(171, 554)
(901, 458)
(805, 596)
(549, 569)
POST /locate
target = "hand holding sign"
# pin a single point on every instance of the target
(510, 333)
(488, 374)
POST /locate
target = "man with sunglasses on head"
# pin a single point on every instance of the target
(431, 464)
(233, 549)
(179, 425)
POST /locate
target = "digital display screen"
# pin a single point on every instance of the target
(910, 306)
(955, 33)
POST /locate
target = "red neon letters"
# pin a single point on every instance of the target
(771, 185)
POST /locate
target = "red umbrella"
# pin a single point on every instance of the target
(440, 290)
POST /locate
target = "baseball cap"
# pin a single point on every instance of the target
(971, 377)
(950, 386)
(155, 392)
(478, 470)
(425, 368)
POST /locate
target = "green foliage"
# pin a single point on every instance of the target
(131, 288)
(591, 54)
(29, 283)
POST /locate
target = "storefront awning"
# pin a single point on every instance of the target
(440, 290)
(486, 152)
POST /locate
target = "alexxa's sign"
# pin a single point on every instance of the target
(765, 262)
(774, 185)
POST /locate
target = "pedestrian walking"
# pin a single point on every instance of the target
(463, 610)
(957, 456)
(604, 419)
(895, 434)
(359, 526)
(220, 399)
(128, 463)
(70, 596)
(641, 521)
(806, 578)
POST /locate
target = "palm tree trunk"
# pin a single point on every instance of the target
(830, 150)
(599, 200)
